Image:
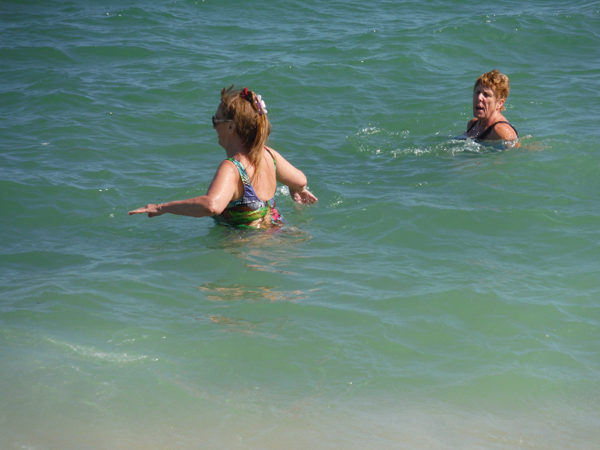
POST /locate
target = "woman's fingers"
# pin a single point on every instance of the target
(304, 196)
(151, 210)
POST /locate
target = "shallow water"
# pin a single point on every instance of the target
(441, 294)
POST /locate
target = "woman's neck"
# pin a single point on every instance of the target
(488, 121)
(235, 148)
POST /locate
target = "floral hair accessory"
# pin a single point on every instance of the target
(244, 94)
(260, 104)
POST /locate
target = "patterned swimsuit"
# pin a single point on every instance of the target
(249, 211)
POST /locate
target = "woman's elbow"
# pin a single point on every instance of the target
(213, 208)
(300, 182)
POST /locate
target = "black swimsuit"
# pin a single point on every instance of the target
(482, 136)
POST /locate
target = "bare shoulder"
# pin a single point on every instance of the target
(505, 132)
(226, 170)
(279, 159)
(227, 166)
(273, 152)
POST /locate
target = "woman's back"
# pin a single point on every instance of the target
(264, 183)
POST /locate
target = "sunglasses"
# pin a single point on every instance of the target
(216, 121)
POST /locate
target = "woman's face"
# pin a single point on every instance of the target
(485, 102)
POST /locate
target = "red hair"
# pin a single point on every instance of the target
(497, 82)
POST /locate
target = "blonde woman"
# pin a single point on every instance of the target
(242, 192)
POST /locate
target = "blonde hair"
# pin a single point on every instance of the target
(496, 81)
(252, 126)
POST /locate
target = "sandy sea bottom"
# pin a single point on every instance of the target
(246, 420)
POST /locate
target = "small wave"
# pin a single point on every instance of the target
(379, 141)
(94, 353)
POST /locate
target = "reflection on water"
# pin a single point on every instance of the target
(266, 250)
(226, 291)
(232, 239)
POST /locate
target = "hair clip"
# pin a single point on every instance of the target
(260, 104)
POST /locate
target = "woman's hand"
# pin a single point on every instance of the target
(151, 210)
(303, 196)
(220, 192)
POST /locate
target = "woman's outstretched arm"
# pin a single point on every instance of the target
(219, 194)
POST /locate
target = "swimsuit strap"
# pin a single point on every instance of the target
(249, 195)
(510, 125)
(242, 170)
(274, 162)
(489, 129)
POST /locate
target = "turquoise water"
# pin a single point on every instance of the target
(440, 295)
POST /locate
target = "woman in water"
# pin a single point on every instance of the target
(488, 124)
(242, 192)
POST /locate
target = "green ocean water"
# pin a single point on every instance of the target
(440, 295)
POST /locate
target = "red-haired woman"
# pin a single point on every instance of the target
(488, 124)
